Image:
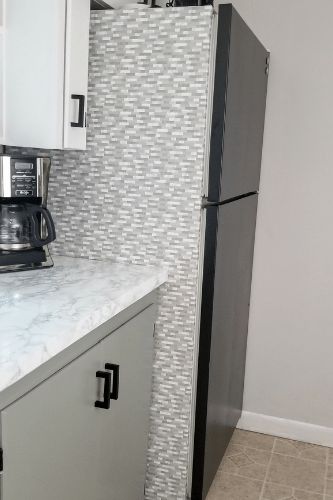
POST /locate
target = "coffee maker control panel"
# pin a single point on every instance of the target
(23, 178)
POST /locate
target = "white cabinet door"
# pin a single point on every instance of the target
(50, 437)
(76, 73)
(125, 426)
(2, 100)
(45, 63)
(34, 72)
(2, 59)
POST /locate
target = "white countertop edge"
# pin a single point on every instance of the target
(15, 365)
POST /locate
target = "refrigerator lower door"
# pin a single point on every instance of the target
(230, 233)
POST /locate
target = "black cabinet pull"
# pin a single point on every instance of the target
(111, 375)
(115, 380)
(81, 99)
(107, 390)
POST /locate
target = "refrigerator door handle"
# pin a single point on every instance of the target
(206, 203)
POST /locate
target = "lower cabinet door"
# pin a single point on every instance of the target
(50, 437)
(124, 426)
(58, 445)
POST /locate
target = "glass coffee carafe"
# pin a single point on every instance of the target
(24, 226)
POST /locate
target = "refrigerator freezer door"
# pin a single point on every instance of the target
(238, 112)
(230, 233)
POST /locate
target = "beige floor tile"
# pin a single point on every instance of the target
(247, 462)
(329, 487)
(233, 449)
(329, 473)
(278, 492)
(254, 471)
(251, 454)
(300, 450)
(330, 455)
(253, 440)
(305, 495)
(232, 487)
(297, 473)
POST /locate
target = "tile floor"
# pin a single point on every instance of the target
(261, 467)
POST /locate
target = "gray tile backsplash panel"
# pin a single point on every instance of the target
(134, 195)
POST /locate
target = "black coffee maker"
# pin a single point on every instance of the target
(26, 225)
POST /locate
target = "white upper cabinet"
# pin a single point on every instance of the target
(2, 48)
(46, 73)
(76, 73)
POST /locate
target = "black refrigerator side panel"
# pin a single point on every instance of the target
(204, 354)
(239, 105)
(230, 237)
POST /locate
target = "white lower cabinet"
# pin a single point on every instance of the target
(58, 445)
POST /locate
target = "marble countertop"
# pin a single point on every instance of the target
(43, 312)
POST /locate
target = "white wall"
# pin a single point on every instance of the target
(290, 351)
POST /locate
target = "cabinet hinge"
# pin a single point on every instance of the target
(1, 460)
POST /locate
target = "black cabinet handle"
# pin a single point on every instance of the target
(81, 99)
(111, 375)
(107, 390)
(115, 380)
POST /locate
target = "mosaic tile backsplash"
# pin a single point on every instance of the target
(134, 195)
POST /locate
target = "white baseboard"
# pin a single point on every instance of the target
(291, 429)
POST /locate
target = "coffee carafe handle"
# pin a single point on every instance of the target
(37, 239)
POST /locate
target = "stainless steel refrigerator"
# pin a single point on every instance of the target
(230, 201)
